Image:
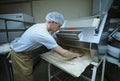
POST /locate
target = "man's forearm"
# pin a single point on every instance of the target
(60, 50)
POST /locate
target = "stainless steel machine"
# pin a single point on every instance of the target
(85, 37)
(80, 34)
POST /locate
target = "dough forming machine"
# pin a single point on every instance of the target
(80, 34)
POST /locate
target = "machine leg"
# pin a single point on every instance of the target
(49, 74)
(103, 69)
(94, 73)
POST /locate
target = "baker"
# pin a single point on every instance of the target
(37, 35)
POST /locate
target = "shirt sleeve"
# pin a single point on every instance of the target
(45, 39)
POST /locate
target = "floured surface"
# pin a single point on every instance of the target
(5, 48)
(74, 67)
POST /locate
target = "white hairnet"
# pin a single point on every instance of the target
(56, 17)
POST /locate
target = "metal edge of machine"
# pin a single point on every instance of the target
(73, 40)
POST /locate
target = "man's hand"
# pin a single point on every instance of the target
(71, 55)
(66, 53)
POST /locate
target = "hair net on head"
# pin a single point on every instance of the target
(56, 17)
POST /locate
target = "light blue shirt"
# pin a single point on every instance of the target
(34, 37)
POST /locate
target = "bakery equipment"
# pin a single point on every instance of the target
(85, 37)
(114, 47)
(13, 25)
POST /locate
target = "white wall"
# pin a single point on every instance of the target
(69, 8)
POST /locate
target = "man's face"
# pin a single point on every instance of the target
(53, 26)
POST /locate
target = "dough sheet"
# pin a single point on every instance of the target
(74, 66)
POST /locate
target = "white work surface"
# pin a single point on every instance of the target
(74, 67)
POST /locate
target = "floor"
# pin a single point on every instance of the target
(112, 73)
